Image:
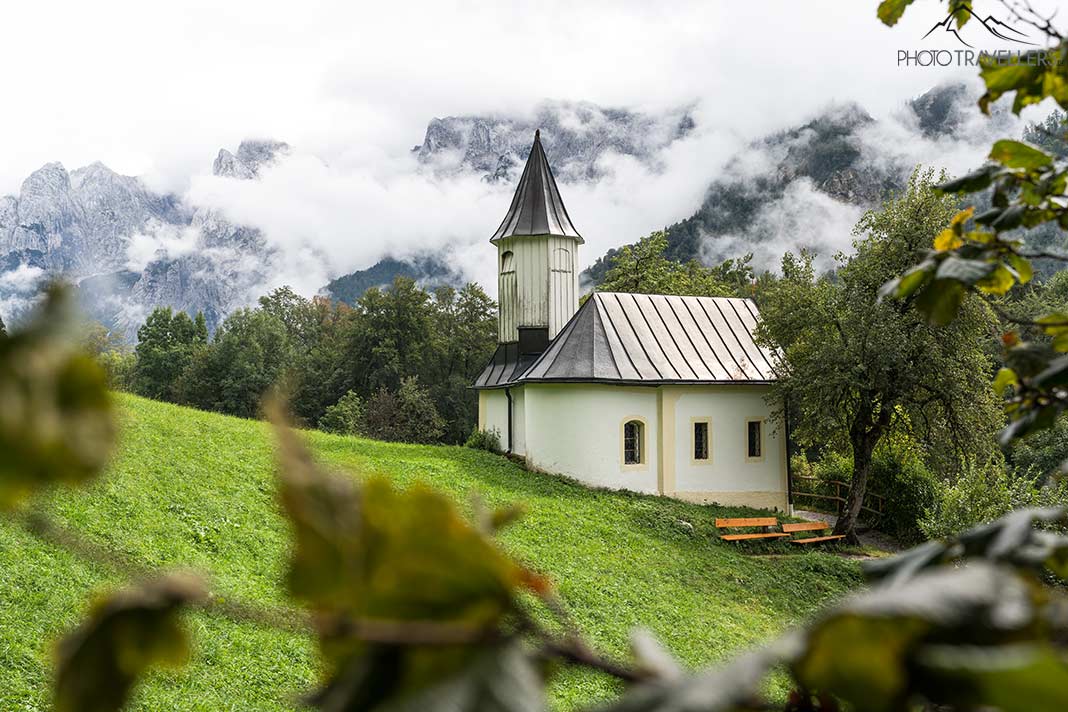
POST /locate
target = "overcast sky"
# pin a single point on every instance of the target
(156, 89)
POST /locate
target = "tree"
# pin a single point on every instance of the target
(390, 337)
(463, 338)
(300, 316)
(407, 415)
(643, 268)
(344, 417)
(856, 367)
(3, 329)
(165, 346)
(250, 353)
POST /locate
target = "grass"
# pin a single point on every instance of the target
(193, 489)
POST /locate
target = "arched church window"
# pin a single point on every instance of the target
(507, 262)
(633, 442)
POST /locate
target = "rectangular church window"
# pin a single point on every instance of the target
(755, 439)
(700, 440)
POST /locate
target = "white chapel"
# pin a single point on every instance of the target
(645, 392)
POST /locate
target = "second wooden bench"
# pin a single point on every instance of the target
(811, 527)
(764, 523)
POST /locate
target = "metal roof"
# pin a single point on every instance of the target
(536, 208)
(656, 339)
(505, 367)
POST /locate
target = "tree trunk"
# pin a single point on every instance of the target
(864, 434)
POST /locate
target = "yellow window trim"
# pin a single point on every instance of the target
(763, 438)
(693, 441)
(643, 450)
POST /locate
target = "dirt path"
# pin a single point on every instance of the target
(868, 537)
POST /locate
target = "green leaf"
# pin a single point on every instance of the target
(1031, 421)
(963, 270)
(896, 569)
(890, 11)
(1005, 377)
(126, 634)
(861, 650)
(961, 11)
(940, 301)
(1010, 678)
(1010, 218)
(1017, 154)
(1024, 271)
(999, 281)
(56, 415)
(1054, 324)
(1055, 375)
(972, 182)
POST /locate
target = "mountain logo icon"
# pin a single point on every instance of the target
(994, 26)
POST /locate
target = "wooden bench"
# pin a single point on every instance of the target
(743, 522)
(811, 527)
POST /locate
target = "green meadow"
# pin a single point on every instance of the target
(191, 489)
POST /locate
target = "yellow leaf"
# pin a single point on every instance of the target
(1006, 377)
(947, 240)
(962, 217)
(997, 282)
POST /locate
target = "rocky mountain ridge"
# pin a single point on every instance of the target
(81, 225)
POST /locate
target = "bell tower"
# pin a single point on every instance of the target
(537, 255)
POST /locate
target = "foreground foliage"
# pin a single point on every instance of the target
(416, 607)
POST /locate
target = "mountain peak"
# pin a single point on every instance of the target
(252, 155)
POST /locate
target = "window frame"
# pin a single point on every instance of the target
(759, 420)
(643, 443)
(694, 460)
(507, 265)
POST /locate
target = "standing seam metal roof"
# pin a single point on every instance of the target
(651, 339)
(537, 208)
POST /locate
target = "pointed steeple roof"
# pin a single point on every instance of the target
(536, 208)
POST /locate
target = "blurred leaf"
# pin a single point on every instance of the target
(407, 560)
(892, 570)
(947, 240)
(1016, 154)
(1010, 678)
(1032, 421)
(127, 633)
(1024, 271)
(56, 415)
(999, 281)
(1054, 324)
(1055, 375)
(1005, 377)
(940, 300)
(501, 679)
(972, 182)
(961, 11)
(651, 657)
(1029, 359)
(962, 270)
(861, 649)
(731, 687)
(1009, 219)
(890, 11)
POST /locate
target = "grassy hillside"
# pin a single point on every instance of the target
(196, 489)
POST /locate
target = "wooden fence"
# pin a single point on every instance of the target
(873, 503)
